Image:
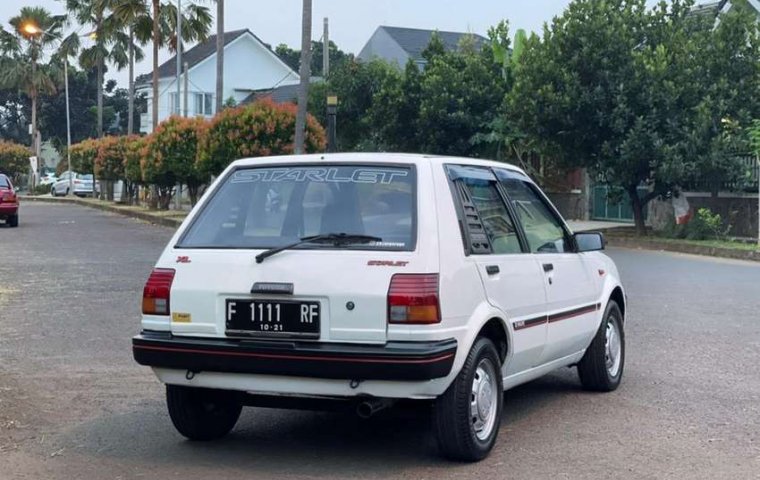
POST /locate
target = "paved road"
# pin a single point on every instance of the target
(74, 405)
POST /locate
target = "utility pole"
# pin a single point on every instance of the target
(304, 72)
(184, 100)
(332, 112)
(326, 51)
(179, 55)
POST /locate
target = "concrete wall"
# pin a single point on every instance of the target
(738, 211)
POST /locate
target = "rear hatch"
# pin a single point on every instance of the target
(326, 289)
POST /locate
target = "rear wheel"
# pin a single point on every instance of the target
(201, 413)
(13, 220)
(468, 414)
(52, 191)
(601, 368)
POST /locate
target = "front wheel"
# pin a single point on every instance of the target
(601, 368)
(52, 191)
(201, 413)
(468, 414)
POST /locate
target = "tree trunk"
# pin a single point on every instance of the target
(219, 55)
(155, 63)
(638, 211)
(131, 94)
(192, 191)
(305, 73)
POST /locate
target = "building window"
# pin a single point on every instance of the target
(173, 103)
(203, 103)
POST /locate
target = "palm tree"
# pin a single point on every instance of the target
(219, 54)
(132, 21)
(33, 30)
(196, 23)
(93, 13)
(305, 73)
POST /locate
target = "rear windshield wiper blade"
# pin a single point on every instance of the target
(337, 239)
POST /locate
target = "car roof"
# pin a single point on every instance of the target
(369, 158)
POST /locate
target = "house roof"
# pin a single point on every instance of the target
(279, 94)
(197, 54)
(711, 9)
(414, 40)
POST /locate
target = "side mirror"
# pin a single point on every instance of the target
(590, 241)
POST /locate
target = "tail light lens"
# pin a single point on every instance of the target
(413, 298)
(156, 292)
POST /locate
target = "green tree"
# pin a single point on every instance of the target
(22, 49)
(614, 87)
(293, 57)
(14, 159)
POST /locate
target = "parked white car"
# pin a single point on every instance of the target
(367, 278)
(80, 184)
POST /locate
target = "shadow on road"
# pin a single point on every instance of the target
(309, 443)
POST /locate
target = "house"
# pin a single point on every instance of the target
(249, 65)
(399, 45)
(715, 8)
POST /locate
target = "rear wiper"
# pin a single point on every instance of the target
(338, 239)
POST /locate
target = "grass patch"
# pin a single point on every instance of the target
(750, 247)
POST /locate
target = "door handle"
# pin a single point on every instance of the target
(548, 267)
(492, 269)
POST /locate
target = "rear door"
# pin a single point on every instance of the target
(323, 291)
(511, 276)
(571, 292)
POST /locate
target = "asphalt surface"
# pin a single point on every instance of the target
(73, 404)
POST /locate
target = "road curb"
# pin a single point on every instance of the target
(654, 244)
(144, 216)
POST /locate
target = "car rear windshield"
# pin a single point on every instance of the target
(4, 183)
(268, 207)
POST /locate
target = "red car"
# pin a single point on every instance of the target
(8, 202)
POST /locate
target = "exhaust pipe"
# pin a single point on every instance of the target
(370, 407)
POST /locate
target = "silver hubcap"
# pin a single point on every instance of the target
(484, 400)
(612, 349)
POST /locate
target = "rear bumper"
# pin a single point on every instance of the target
(8, 209)
(392, 361)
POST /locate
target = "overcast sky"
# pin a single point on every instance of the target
(352, 22)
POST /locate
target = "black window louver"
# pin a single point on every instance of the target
(473, 226)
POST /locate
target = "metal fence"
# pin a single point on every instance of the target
(746, 179)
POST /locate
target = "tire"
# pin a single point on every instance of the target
(202, 414)
(598, 371)
(13, 220)
(52, 192)
(455, 424)
(67, 192)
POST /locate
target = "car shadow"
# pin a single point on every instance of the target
(272, 442)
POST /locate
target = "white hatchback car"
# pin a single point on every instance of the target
(368, 278)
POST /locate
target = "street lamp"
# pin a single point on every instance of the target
(32, 29)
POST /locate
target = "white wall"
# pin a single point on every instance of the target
(248, 66)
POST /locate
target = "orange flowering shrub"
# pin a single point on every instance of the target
(14, 159)
(255, 130)
(170, 157)
(109, 162)
(83, 155)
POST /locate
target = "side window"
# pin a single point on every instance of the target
(494, 215)
(543, 230)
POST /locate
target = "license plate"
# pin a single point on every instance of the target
(272, 318)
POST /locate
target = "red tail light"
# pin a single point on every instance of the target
(413, 298)
(156, 292)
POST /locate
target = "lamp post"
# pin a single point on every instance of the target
(32, 29)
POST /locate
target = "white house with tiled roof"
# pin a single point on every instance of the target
(249, 65)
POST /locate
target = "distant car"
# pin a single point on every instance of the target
(8, 202)
(80, 185)
(48, 179)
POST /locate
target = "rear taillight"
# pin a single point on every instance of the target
(156, 292)
(413, 298)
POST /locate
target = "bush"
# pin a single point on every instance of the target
(41, 189)
(705, 226)
(14, 160)
(83, 155)
(171, 157)
(134, 145)
(259, 129)
(109, 160)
